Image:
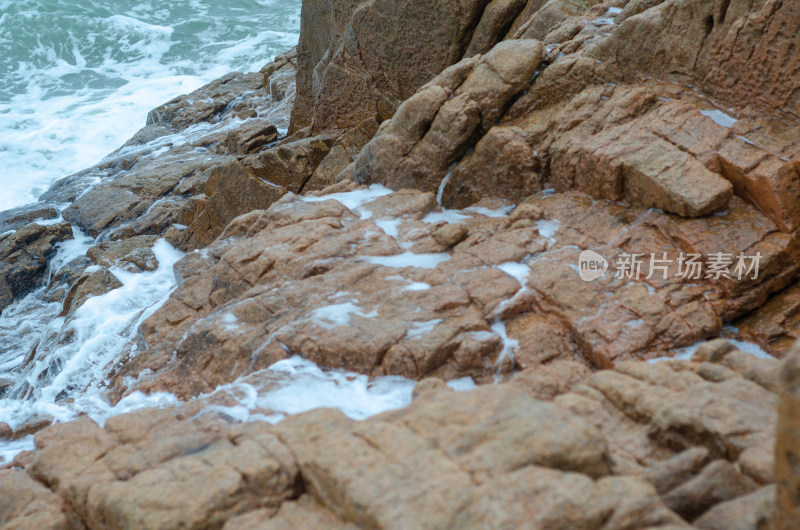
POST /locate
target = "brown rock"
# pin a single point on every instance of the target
(16, 218)
(436, 127)
(339, 86)
(32, 426)
(718, 482)
(23, 258)
(496, 20)
(134, 254)
(552, 380)
(24, 459)
(204, 102)
(254, 135)
(755, 510)
(450, 235)
(303, 513)
(504, 164)
(776, 325)
(787, 452)
(541, 340)
(671, 473)
(713, 48)
(429, 387)
(26, 504)
(94, 283)
(232, 191)
(341, 155)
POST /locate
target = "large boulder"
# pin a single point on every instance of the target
(358, 59)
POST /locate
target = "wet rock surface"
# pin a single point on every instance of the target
(389, 288)
(23, 258)
(410, 192)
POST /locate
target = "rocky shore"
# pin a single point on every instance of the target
(408, 194)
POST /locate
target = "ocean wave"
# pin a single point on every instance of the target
(78, 78)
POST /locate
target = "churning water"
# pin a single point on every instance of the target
(77, 77)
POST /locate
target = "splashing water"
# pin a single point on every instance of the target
(77, 78)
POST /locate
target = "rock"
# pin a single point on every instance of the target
(450, 235)
(121, 476)
(23, 258)
(6, 432)
(24, 459)
(713, 351)
(459, 458)
(755, 510)
(360, 496)
(5, 384)
(91, 283)
(504, 164)
(339, 86)
(433, 129)
(65, 278)
(549, 381)
(24, 503)
(743, 70)
(718, 482)
(303, 513)
(32, 426)
(160, 180)
(541, 340)
(206, 102)
(341, 155)
(775, 326)
(670, 474)
(430, 387)
(134, 254)
(787, 452)
(496, 20)
(274, 270)
(16, 218)
(665, 129)
(542, 498)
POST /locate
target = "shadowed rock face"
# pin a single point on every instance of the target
(23, 258)
(359, 59)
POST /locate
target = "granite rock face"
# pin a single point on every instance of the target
(412, 192)
(643, 446)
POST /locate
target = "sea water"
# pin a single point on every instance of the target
(77, 77)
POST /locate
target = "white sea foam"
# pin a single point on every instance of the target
(409, 259)
(547, 229)
(298, 385)
(419, 329)
(73, 356)
(448, 216)
(354, 200)
(720, 118)
(76, 81)
(337, 315)
(687, 353)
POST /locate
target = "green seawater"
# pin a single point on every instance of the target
(78, 77)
